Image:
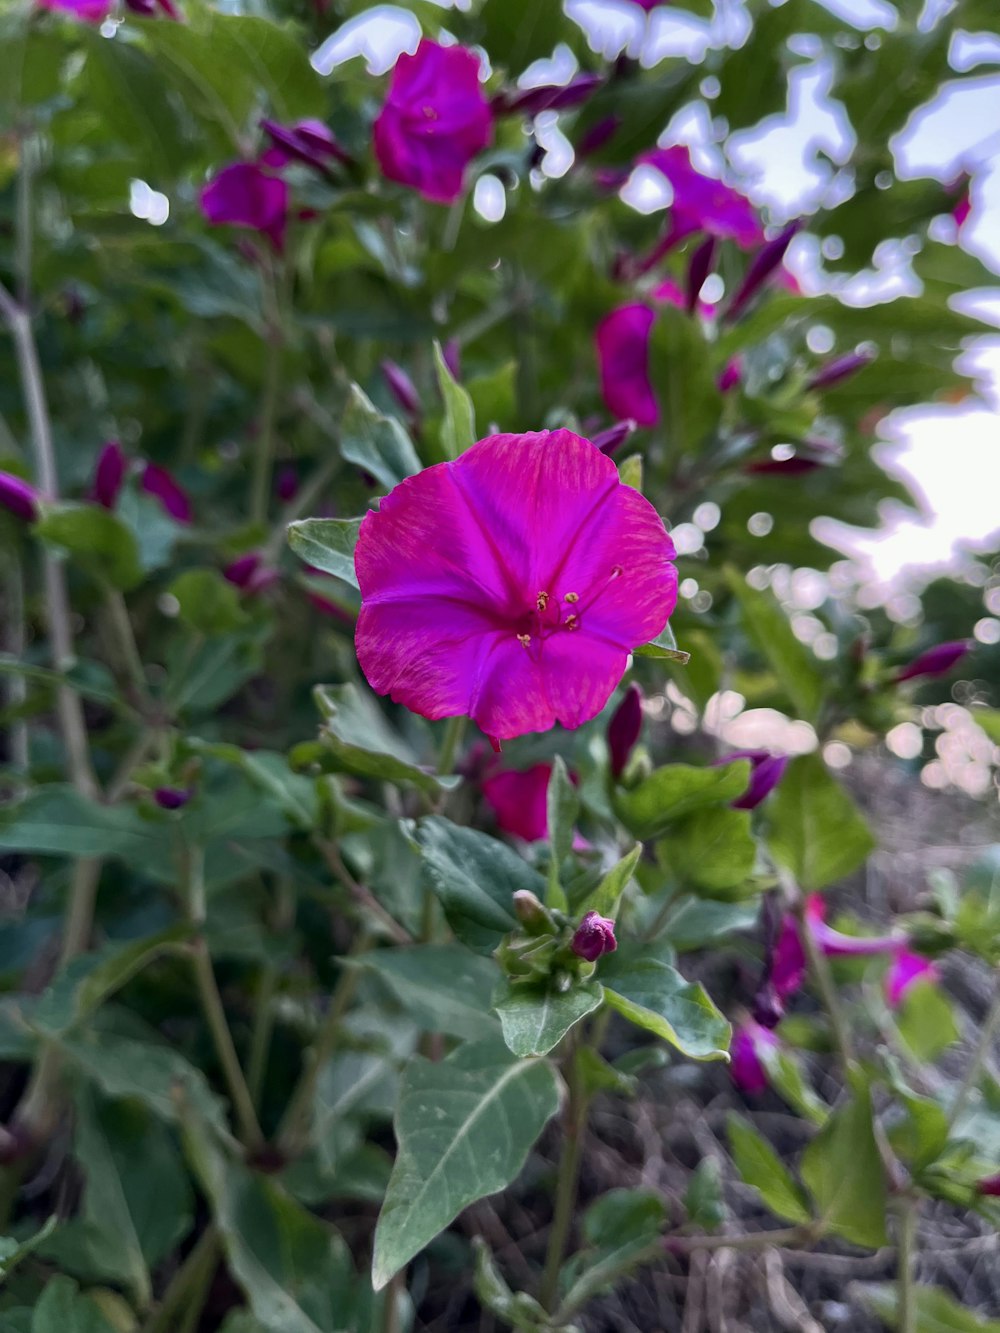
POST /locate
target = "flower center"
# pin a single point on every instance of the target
(556, 613)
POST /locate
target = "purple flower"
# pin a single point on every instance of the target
(936, 661)
(702, 203)
(109, 475)
(158, 482)
(766, 770)
(787, 969)
(595, 935)
(401, 387)
(751, 1047)
(905, 969)
(172, 798)
(88, 11)
(434, 121)
(549, 97)
(841, 368)
(624, 729)
(244, 195)
(18, 497)
(307, 141)
(732, 374)
(511, 584)
(622, 339)
(520, 801)
(250, 573)
(597, 136)
(149, 8)
(764, 263)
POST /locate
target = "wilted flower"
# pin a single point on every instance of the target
(307, 141)
(594, 936)
(624, 729)
(434, 121)
(511, 584)
(88, 11)
(518, 799)
(766, 771)
(622, 339)
(748, 1053)
(401, 387)
(839, 369)
(936, 661)
(905, 969)
(158, 482)
(701, 203)
(172, 798)
(610, 441)
(245, 195)
(18, 497)
(109, 475)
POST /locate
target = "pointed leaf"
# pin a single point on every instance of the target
(816, 829)
(761, 1167)
(327, 544)
(677, 789)
(606, 897)
(534, 1019)
(458, 429)
(654, 995)
(362, 741)
(562, 805)
(843, 1171)
(376, 443)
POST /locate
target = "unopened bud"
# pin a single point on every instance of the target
(624, 729)
(763, 264)
(109, 475)
(936, 661)
(594, 936)
(18, 497)
(172, 798)
(614, 437)
(531, 913)
(401, 387)
(839, 369)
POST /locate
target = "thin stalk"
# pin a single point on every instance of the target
(121, 626)
(17, 686)
(188, 1286)
(820, 969)
(362, 896)
(283, 918)
(451, 741)
(567, 1183)
(263, 460)
(970, 1078)
(301, 503)
(211, 1002)
(905, 1257)
(783, 1237)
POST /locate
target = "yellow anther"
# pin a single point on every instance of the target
(572, 597)
(571, 622)
(524, 640)
(542, 600)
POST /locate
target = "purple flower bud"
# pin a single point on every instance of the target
(905, 969)
(243, 195)
(990, 1187)
(751, 1046)
(763, 264)
(936, 661)
(608, 441)
(732, 374)
(148, 8)
(624, 729)
(158, 482)
(839, 369)
(549, 97)
(597, 136)
(286, 483)
(796, 466)
(172, 798)
(307, 141)
(766, 770)
(699, 267)
(452, 354)
(108, 475)
(19, 497)
(595, 935)
(401, 387)
(249, 573)
(787, 967)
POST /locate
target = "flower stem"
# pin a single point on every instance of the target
(905, 1256)
(188, 1286)
(820, 969)
(575, 1121)
(974, 1068)
(263, 461)
(451, 741)
(121, 625)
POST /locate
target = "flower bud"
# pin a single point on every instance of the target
(905, 970)
(250, 573)
(839, 369)
(732, 374)
(699, 268)
(286, 483)
(172, 798)
(751, 1046)
(158, 482)
(401, 387)
(765, 773)
(796, 466)
(531, 913)
(614, 437)
(307, 141)
(763, 264)
(597, 136)
(108, 475)
(19, 497)
(452, 354)
(624, 729)
(594, 936)
(990, 1186)
(548, 97)
(936, 661)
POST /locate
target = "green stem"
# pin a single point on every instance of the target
(567, 1183)
(823, 977)
(17, 686)
(974, 1068)
(121, 626)
(211, 1002)
(451, 741)
(260, 489)
(185, 1295)
(283, 918)
(905, 1256)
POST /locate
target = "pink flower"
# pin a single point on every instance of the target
(511, 584)
(109, 475)
(157, 481)
(623, 357)
(594, 936)
(989, 1187)
(749, 1052)
(434, 121)
(18, 497)
(905, 969)
(88, 11)
(936, 661)
(702, 203)
(519, 801)
(244, 195)
(624, 729)
(766, 771)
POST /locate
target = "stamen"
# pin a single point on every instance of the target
(571, 622)
(616, 571)
(524, 640)
(542, 600)
(572, 597)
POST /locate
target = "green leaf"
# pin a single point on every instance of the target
(677, 789)
(703, 1198)
(475, 878)
(630, 472)
(458, 429)
(464, 1127)
(761, 1167)
(63, 1308)
(362, 742)
(516, 32)
(695, 923)
(57, 821)
(654, 996)
(12, 1251)
(562, 804)
(521, 1311)
(328, 544)
(936, 1310)
(606, 897)
(712, 849)
(378, 444)
(443, 987)
(128, 91)
(680, 365)
(536, 1018)
(664, 647)
(797, 670)
(843, 1171)
(209, 603)
(98, 541)
(921, 1135)
(926, 1020)
(816, 830)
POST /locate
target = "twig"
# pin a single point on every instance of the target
(362, 895)
(575, 1122)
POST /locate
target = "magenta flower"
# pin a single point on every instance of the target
(307, 141)
(519, 801)
(109, 475)
(401, 387)
(936, 661)
(511, 584)
(835, 944)
(88, 11)
(787, 969)
(434, 121)
(158, 482)
(766, 771)
(989, 1187)
(594, 936)
(622, 339)
(731, 375)
(699, 267)
(624, 729)
(751, 1047)
(244, 195)
(18, 497)
(702, 203)
(905, 969)
(149, 8)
